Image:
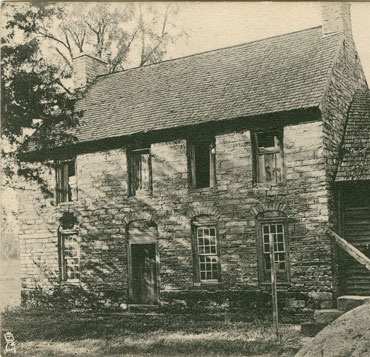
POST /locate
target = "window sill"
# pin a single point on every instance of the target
(66, 204)
(141, 194)
(267, 285)
(269, 184)
(71, 282)
(202, 189)
(207, 282)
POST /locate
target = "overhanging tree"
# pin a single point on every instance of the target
(38, 46)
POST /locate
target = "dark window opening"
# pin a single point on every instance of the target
(202, 164)
(268, 156)
(266, 140)
(66, 185)
(140, 171)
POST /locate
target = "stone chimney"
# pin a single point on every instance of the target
(86, 68)
(336, 17)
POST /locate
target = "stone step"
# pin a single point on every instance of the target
(311, 329)
(142, 308)
(349, 302)
(326, 316)
(322, 318)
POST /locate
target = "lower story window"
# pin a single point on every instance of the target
(207, 254)
(70, 257)
(277, 231)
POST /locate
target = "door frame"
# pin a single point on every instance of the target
(130, 273)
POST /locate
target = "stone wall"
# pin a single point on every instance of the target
(104, 208)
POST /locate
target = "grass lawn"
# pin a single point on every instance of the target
(46, 333)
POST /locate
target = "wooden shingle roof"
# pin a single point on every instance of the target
(272, 75)
(277, 74)
(356, 149)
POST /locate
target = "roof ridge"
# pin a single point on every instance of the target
(214, 50)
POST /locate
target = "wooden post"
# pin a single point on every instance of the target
(273, 286)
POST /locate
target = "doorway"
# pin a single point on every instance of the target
(144, 286)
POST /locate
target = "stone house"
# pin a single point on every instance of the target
(182, 170)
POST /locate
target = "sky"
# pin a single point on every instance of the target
(212, 25)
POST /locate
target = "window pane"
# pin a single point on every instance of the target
(71, 252)
(208, 267)
(267, 262)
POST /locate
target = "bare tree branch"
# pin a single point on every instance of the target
(64, 57)
(62, 85)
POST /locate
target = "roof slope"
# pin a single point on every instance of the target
(271, 75)
(356, 160)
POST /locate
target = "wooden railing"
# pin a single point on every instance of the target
(350, 249)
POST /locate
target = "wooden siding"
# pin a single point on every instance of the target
(355, 278)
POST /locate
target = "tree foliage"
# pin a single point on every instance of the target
(39, 43)
(31, 92)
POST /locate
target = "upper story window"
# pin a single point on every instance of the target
(69, 256)
(277, 232)
(66, 183)
(268, 156)
(140, 171)
(202, 165)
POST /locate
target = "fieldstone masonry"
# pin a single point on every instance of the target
(104, 208)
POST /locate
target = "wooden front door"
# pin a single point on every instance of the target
(144, 274)
(355, 278)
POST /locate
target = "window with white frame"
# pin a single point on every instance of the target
(275, 230)
(268, 156)
(69, 253)
(206, 257)
(66, 183)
